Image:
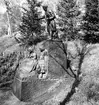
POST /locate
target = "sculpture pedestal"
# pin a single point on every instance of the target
(28, 88)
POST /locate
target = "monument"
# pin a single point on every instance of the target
(29, 84)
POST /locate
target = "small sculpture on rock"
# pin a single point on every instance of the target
(43, 64)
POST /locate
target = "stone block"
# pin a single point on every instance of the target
(28, 88)
(56, 58)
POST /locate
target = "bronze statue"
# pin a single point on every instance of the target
(51, 25)
(50, 20)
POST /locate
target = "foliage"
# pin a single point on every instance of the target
(8, 66)
(93, 92)
(68, 17)
(90, 24)
(89, 87)
(31, 26)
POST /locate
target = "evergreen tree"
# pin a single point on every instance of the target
(91, 22)
(31, 26)
(68, 13)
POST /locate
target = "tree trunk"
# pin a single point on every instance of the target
(9, 25)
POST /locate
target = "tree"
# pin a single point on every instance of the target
(8, 66)
(13, 15)
(8, 16)
(90, 24)
(68, 13)
(31, 26)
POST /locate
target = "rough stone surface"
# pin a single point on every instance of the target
(55, 54)
(27, 86)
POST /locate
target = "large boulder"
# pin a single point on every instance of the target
(27, 86)
(57, 58)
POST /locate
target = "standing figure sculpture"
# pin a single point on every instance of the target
(43, 64)
(49, 16)
(50, 19)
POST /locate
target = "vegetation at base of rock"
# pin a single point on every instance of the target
(8, 66)
(68, 13)
(90, 24)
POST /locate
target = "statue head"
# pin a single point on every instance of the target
(34, 55)
(45, 7)
(42, 48)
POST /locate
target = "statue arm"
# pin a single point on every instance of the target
(53, 16)
(43, 17)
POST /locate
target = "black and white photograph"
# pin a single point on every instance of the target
(49, 52)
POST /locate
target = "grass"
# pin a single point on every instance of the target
(88, 90)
